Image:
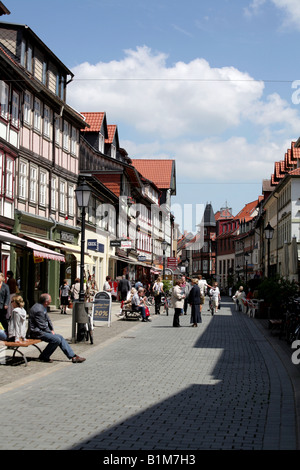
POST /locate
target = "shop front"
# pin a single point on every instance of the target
(49, 257)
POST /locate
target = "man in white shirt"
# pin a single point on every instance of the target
(203, 289)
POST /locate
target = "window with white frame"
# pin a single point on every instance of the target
(27, 107)
(44, 73)
(57, 130)
(37, 115)
(29, 58)
(62, 196)
(9, 171)
(42, 188)
(15, 109)
(46, 121)
(1, 171)
(66, 136)
(22, 179)
(32, 184)
(4, 95)
(23, 53)
(74, 141)
(113, 151)
(53, 193)
(71, 200)
(101, 143)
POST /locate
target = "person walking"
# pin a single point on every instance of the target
(158, 290)
(124, 287)
(41, 327)
(177, 299)
(195, 302)
(238, 298)
(4, 302)
(185, 287)
(64, 292)
(106, 286)
(75, 289)
(202, 283)
(215, 297)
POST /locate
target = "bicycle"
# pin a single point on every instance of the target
(150, 301)
(89, 334)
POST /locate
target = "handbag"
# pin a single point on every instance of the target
(219, 306)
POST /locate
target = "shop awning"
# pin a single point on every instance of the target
(45, 241)
(6, 237)
(71, 248)
(43, 252)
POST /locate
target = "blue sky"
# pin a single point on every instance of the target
(208, 83)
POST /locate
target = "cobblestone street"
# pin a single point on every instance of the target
(147, 386)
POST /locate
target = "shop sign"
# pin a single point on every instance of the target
(142, 258)
(38, 259)
(92, 245)
(67, 237)
(115, 242)
(126, 244)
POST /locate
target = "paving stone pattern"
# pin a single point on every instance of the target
(154, 387)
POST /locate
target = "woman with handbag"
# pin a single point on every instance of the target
(195, 302)
(215, 297)
(64, 292)
(158, 290)
(177, 300)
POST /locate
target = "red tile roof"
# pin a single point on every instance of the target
(111, 181)
(286, 166)
(158, 171)
(94, 120)
(295, 172)
(111, 129)
(247, 212)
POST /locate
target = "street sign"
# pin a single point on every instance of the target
(172, 262)
(126, 244)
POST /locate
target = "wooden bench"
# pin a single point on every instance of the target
(130, 314)
(22, 344)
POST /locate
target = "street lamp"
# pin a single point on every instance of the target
(247, 258)
(83, 193)
(164, 246)
(186, 264)
(269, 231)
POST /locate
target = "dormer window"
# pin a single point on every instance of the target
(101, 143)
(113, 151)
(26, 56)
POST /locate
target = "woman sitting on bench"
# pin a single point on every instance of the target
(17, 321)
(138, 304)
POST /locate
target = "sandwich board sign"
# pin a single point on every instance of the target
(102, 308)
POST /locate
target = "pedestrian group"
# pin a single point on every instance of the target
(13, 327)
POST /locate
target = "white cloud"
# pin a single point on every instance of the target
(189, 111)
(212, 160)
(165, 101)
(291, 9)
(254, 7)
